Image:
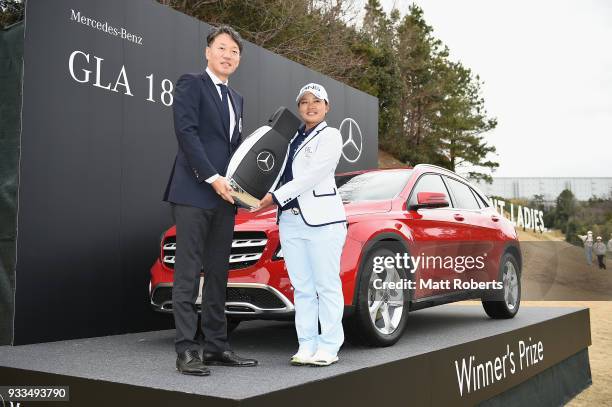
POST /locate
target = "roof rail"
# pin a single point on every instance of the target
(437, 167)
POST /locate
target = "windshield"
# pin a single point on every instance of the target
(372, 186)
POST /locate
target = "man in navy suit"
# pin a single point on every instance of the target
(208, 126)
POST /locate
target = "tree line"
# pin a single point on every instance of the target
(575, 217)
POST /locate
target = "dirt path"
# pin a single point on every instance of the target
(556, 270)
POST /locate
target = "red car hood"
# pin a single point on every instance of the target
(265, 217)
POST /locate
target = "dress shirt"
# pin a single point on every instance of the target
(288, 172)
(232, 115)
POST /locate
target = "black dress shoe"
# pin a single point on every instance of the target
(227, 358)
(189, 362)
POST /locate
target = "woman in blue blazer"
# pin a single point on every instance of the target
(312, 228)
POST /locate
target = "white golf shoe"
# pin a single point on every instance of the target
(302, 357)
(323, 358)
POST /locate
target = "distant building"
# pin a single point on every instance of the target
(549, 187)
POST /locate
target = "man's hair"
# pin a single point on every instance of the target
(224, 29)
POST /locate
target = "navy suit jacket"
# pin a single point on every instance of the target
(204, 146)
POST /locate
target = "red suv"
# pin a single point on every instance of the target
(416, 238)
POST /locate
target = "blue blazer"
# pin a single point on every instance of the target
(204, 147)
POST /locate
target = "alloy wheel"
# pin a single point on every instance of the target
(511, 289)
(385, 305)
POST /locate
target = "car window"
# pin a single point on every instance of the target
(462, 194)
(373, 186)
(481, 200)
(428, 183)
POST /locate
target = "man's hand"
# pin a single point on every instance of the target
(266, 201)
(223, 189)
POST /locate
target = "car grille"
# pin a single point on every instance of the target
(247, 248)
(258, 297)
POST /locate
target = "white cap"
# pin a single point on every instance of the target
(314, 88)
(598, 237)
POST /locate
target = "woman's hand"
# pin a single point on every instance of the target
(266, 201)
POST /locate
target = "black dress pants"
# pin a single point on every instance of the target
(203, 243)
(600, 260)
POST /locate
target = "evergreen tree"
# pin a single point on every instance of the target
(461, 120)
(565, 208)
(381, 76)
(443, 113)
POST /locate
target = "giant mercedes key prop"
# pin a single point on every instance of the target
(255, 166)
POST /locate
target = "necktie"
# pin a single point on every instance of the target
(225, 114)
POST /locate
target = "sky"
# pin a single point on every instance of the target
(547, 72)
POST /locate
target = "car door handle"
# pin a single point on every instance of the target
(459, 217)
(495, 218)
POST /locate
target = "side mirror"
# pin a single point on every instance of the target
(430, 200)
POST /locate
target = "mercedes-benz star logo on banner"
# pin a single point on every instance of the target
(265, 161)
(352, 145)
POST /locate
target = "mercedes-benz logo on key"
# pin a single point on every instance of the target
(352, 145)
(265, 161)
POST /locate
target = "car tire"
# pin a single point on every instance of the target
(375, 329)
(507, 304)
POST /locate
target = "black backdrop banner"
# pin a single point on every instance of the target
(97, 146)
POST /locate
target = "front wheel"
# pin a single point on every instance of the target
(380, 314)
(507, 306)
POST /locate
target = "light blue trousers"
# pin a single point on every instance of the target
(312, 255)
(588, 252)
